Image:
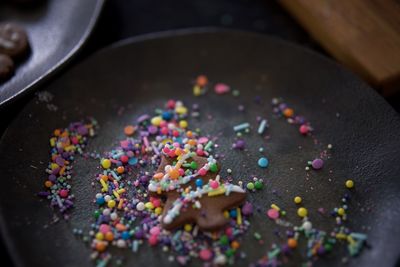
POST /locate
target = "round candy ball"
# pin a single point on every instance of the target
(199, 182)
(317, 164)
(263, 162)
(349, 184)
(302, 212)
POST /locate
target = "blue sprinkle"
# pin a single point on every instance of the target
(100, 200)
(125, 235)
(132, 161)
(263, 162)
(166, 115)
(199, 182)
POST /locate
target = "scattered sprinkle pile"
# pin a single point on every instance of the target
(65, 143)
(131, 209)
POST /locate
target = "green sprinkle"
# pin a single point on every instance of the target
(250, 186)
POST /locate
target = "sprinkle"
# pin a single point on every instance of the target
(241, 127)
(263, 162)
(262, 126)
(317, 164)
(349, 184)
(221, 88)
(239, 216)
(302, 212)
(273, 214)
(297, 200)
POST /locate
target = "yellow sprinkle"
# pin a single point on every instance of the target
(106, 163)
(341, 236)
(121, 201)
(226, 214)
(181, 110)
(166, 141)
(239, 216)
(149, 205)
(341, 211)
(350, 240)
(53, 141)
(111, 204)
(196, 90)
(297, 200)
(275, 207)
(156, 121)
(158, 211)
(183, 124)
(69, 148)
(99, 236)
(116, 194)
(219, 191)
(188, 227)
(349, 184)
(54, 166)
(302, 212)
(121, 191)
(105, 186)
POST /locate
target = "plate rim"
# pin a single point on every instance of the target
(67, 58)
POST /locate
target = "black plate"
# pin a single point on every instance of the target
(141, 73)
(57, 30)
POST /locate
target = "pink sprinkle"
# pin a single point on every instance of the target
(273, 214)
(205, 254)
(221, 88)
(153, 240)
(303, 129)
(63, 193)
(156, 202)
(203, 140)
(155, 230)
(202, 172)
(104, 228)
(229, 231)
(214, 184)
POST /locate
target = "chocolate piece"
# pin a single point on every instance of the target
(13, 40)
(210, 214)
(6, 67)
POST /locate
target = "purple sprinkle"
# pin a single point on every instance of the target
(143, 118)
(247, 209)
(317, 164)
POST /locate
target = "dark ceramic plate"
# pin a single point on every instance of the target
(56, 29)
(135, 76)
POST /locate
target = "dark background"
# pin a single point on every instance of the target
(124, 18)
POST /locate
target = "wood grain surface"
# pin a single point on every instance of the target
(362, 34)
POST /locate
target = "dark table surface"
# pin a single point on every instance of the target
(124, 18)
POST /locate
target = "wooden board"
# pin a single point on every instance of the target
(362, 34)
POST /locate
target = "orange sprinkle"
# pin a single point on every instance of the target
(104, 178)
(288, 112)
(235, 245)
(189, 134)
(120, 169)
(48, 184)
(174, 173)
(109, 236)
(101, 246)
(292, 243)
(129, 130)
(202, 80)
(120, 227)
(192, 142)
(158, 176)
